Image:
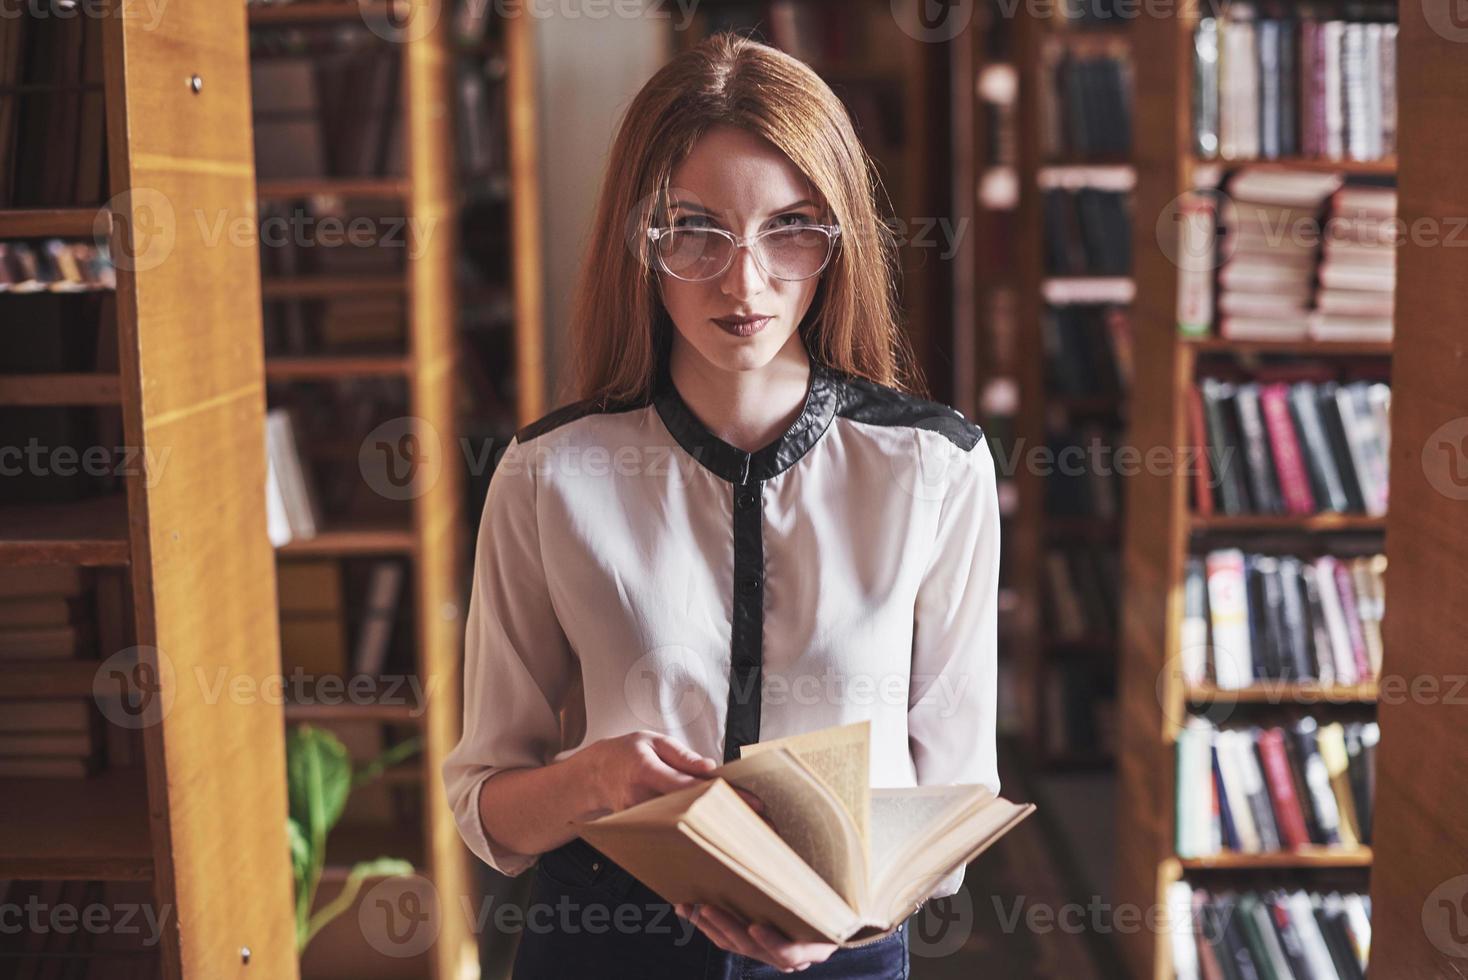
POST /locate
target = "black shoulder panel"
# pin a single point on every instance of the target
(866, 401)
(570, 413)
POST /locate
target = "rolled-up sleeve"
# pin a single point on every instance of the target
(952, 700)
(518, 665)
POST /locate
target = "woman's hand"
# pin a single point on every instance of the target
(761, 942)
(630, 769)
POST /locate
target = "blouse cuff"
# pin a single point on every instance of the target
(471, 828)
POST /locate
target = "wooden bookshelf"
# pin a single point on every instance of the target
(1042, 35)
(1161, 529)
(1420, 795)
(184, 541)
(430, 538)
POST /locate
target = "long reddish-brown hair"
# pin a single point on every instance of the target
(619, 322)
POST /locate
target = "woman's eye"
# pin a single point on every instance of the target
(790, 220)
(692, 221)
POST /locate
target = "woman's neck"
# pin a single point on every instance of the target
(747, 409)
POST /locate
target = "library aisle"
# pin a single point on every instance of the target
(281, 280)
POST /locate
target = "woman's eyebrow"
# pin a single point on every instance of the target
(699, 208)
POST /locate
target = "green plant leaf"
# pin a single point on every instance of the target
(301, 870)
(389, 758)
(319, 778)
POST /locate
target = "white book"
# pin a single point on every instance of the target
(1332, 32)
(1236, 791)
(1228, 611)
(1343, 660)
(1181, 931)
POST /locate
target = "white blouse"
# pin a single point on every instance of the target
(848, 571)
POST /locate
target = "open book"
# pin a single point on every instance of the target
(830, 860)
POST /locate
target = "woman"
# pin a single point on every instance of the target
(744, 529)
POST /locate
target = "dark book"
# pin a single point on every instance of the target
(1261, 808)
(1298, 641)
(1340, 448)
(1325, 478)
(1264, 494)
(1316, 779)
(1223, 453)
(1289, 936)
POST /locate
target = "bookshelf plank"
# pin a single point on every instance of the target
(373, 187)
(1313, 523)
(60, 389)
(1385, 167)
(47, 678)
(89, 532)
(360, 540)
(49, 222)
(1293, 348)
(1286, 693)
(93, 828)
(308, 287)
(318, 10)
(310, 368)
(1317, 857)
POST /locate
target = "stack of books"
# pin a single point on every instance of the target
(1270, 228)
(1273, 88)
(1358, 268)
(1298, 448)
(1259, 790)
(1256, 617)
(1273, 933)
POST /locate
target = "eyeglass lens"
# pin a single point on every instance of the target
(785, 253)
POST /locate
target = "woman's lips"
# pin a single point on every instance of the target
(741, 326)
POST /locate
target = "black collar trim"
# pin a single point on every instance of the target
(822, 398)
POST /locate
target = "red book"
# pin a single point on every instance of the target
(1198, 442)
(1346, 587)
(1290, 817)
(1207, 958)
(1294, 484)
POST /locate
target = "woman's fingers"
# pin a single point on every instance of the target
(800, 955)
(680, 757)
(709, 926)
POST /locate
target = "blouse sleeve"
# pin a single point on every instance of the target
(952, 699)
(518, 664)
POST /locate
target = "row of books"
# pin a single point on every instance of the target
(1088, 350)
(54, 265)
(323, 633)
(1270, 88)
(54, 932)
(53, 144)
(1088, 232)
(1299, 448)
(1080, 711)
(326, 102)
(1300, 256)
(1257, 790)
(1084, 479)
(1258, 617)
(1275, 934)
(1082, 592)
(1087, 108)
(322, 462)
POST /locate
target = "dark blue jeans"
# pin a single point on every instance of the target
(589, 918)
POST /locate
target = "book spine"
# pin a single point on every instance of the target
(1294, 484)
(1282, 789)
(1233, 663)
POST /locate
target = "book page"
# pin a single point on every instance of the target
(840, 757)
(807, 815)
(902, 816)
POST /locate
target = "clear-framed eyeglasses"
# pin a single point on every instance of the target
(789, 252)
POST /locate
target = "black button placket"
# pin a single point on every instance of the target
(747, 645)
